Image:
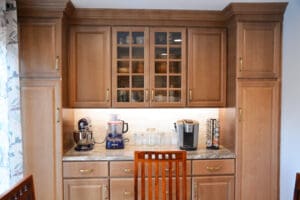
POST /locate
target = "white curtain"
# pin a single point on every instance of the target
(11, 159)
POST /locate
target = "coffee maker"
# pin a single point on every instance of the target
(115, 130)
(187, 134)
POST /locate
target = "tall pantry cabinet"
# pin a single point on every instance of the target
(41, 61)
(254, 79)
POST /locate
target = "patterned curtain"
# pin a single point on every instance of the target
(11, 158)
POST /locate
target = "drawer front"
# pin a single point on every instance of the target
(210, 167)
(126, 168)
(85, 169)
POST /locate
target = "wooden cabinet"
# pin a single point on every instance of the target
(85, 180)
(91, 189)
(258, 139)
(213, 179)
(258, 49)
(40, 47)
(41, 127)
(168, 67)
(213, 188)
(206, 67)
(148, 71)
(90, 67)
(130, 67)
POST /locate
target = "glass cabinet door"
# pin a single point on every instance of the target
(167, 66)
(130, 66)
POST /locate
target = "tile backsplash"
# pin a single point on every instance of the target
(141, 119)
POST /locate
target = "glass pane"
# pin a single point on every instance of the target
(123, 81)
(160, 96)
(175, 82)
(123, 66)
(175, 38)
(137, 67)
(123, 52)
(174, 96)
(160, 38)
(160, 81)
(175, 67)
(138, 37)
(160, 53)
(137, 96)
(138, 52)
(123, 96)
(137, 81)
(123, 37)
(175, 53)
(160, 67)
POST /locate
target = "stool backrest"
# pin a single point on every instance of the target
(297, 187)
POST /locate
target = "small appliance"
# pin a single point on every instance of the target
(187, 130)
(115, 130)
(84, 136)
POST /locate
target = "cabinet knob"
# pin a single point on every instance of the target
(213, 168)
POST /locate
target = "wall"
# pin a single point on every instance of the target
(290, 130)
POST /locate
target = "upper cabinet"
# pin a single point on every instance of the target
(40, 47)
(206, 67)
(130, 67)
(258, 49)
(148, 67)
(167, 67)
(89, 66)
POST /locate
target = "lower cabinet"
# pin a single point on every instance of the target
(213, 188)
(91, 189)
(206, 179)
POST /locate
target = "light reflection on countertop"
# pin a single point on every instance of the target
(101, 153)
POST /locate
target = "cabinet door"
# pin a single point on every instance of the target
(259, 49)
(258, 140)
(90, 69)
(206, 67)
(40, 48)
(130, 71)
(168, 67)
(89, 189)
(41, 129)
(213, 188)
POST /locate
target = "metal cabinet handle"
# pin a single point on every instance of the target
(241, 63)
(107, 95)
(190, 94)
(146, 95)
(57, 115)
(213, 168)
(86, 171)
(127, 170)
(126, 193)
(152, 95)
(240, 114)
(57, 63)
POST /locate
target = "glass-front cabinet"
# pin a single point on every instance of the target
(148, 71)
(167, 67)
(130, 82)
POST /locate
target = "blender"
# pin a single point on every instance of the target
(115, 130)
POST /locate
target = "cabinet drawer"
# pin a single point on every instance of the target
(85, 169)
(126, 168)
(208, 167)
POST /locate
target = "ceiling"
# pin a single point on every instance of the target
(161, 4)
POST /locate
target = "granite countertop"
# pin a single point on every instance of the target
(99, 153)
